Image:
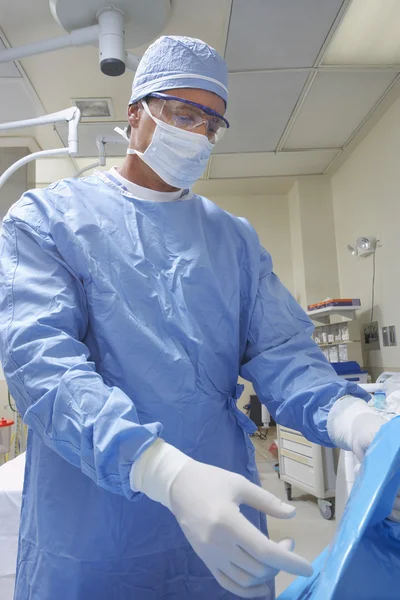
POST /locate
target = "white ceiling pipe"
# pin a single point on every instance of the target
(131, 61)
(88, 168)
(23, 161)
(110, 26)
(67, 114)
(80, 37)
(108, 34)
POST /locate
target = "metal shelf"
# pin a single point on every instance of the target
(339, 343)
(322, 315)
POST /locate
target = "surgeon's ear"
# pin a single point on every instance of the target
(134, 114)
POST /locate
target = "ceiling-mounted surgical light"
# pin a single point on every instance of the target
(110, 25)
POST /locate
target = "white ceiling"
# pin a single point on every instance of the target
(295, 101)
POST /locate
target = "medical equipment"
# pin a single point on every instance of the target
(101, 142)
(112, 26)
(308, 467)
(11, 485)
(71, 115)
(5, 435)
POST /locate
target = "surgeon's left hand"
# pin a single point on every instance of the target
(353, 425)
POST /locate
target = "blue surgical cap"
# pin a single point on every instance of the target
(180, 62)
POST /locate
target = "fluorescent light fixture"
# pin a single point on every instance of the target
(94, 109)
(368, 35)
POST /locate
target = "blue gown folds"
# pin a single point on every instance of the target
(122, 320)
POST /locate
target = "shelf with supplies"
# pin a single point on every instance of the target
(340, 342)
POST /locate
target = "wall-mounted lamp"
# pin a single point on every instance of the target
(364, 246)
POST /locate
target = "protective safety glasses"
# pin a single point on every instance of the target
(189, 115)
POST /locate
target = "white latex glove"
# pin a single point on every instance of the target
(205, 500)
(353, 425)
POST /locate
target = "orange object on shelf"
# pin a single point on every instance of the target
(335, 302)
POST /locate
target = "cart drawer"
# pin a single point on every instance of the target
(298, 471)
(282, 428)
(303, 449)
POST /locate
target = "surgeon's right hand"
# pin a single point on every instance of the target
(205, 500)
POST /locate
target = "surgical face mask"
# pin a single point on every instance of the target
(178, 156)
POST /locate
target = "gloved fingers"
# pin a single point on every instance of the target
(264, 501)
(248, 563)
(260, 547)
(244, 579)
(254, 568)
(256, 591)
(287, 543)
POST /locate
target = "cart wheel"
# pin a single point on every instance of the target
(288, 489)
(327, 508)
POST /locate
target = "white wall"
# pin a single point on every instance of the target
(18, 183)
(313, 240)
(269, 215)
(366, 199)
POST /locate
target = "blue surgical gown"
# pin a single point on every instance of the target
(122, 320)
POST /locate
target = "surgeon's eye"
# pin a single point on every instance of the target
(184, 120)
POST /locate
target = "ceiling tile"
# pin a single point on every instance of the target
(335, 106)
(263, 164)
(15, 101)
(368, 35)
(88, 133)
(267, 34)
(260, 105)
(207, 21)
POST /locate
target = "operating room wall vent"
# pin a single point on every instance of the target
(94, 109)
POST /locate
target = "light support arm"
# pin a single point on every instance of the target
(80, 37)
(71, 115)
(131, 61)
(101, 142)
(108, 34)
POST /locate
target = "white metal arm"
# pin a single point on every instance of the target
(101, 142)
(80, 37)
(85, 36)
(71, 115)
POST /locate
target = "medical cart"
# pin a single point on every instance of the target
(309, 467)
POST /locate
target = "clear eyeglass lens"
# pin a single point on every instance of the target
(190, 118)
